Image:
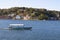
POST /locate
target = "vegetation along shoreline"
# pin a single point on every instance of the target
(25, 13)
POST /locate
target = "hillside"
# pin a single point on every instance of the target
(29, 13)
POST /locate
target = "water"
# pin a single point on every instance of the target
(41, 30)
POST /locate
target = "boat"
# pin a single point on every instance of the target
(18, 27)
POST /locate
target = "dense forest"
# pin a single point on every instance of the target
(34, 13)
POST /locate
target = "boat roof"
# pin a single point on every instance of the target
(16, 24)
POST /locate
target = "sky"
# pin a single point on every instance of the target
(47, 4)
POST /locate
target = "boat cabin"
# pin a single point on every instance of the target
(16, 25)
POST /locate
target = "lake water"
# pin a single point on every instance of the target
(41, 30)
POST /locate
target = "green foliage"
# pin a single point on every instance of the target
(33, 15)
(37, 14)
(33, 12)
(42, 17)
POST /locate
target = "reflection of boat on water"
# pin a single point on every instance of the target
(18, 27)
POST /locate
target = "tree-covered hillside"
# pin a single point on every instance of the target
(34, 13)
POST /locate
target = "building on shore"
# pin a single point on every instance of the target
(17, 17)
(27, 17)
(10, 16)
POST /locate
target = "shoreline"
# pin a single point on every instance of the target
(30, 20)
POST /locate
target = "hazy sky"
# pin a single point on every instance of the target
(48, 4)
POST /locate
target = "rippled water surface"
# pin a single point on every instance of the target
(41, 30)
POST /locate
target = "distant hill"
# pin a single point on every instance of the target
(34, 13)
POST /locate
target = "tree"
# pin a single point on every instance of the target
(42, 17)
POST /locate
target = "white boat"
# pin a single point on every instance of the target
(18, 26)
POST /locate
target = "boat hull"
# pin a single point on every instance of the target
(21, 28)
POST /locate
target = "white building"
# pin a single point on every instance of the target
(26, 17)
(17, 17)
(11, 15)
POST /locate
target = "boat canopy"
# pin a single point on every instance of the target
(16, 24)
